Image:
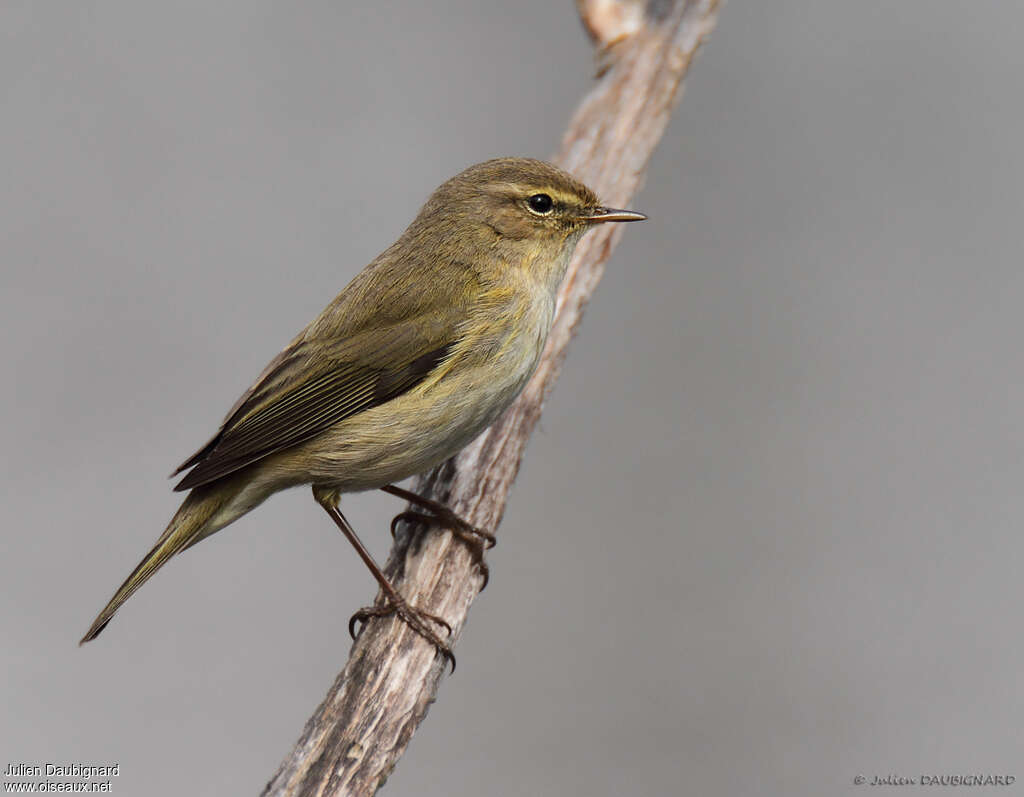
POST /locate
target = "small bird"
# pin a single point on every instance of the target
(421, 352)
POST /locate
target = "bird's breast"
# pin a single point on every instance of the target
(500, 350)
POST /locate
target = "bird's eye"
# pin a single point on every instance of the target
(540, 203)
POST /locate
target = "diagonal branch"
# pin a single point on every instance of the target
(353, 741)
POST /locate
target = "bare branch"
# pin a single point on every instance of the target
(353, 741)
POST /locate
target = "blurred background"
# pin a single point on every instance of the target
(768, 537)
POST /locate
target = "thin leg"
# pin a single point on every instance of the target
(475, 538)
(393, 602)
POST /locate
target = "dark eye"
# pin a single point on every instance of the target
(540, 203)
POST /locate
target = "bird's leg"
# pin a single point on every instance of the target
(393, 602)
(443, 515)
(475, 538)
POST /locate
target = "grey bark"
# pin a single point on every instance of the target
(356, 736)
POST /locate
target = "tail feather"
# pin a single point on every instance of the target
(199, 516)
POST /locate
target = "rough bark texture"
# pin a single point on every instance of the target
(354, 739)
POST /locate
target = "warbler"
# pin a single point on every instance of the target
(422, 351)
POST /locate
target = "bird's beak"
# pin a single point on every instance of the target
(601, 215)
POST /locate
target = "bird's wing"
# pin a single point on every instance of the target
(315, 384)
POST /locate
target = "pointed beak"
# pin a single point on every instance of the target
(601, 215)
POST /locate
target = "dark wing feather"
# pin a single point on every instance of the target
(313, 386)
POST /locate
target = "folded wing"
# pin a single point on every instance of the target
(316, 384)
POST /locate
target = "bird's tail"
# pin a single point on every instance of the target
(206, 510)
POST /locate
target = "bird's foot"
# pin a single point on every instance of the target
(475, 538)
(415, 618)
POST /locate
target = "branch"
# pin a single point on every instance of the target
(353, 741)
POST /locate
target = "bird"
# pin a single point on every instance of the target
(416, 356)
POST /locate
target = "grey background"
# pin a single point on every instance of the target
(769, 537)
